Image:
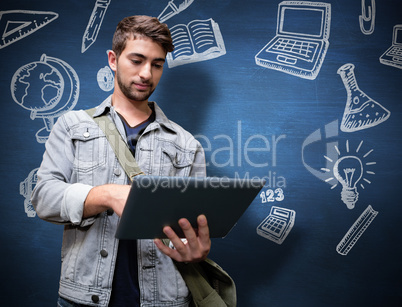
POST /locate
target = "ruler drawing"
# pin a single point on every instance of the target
(17, 24)
(356, 231)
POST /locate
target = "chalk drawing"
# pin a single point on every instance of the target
(48, 88)
(197, 41)
(277, 225)
(17, 24)
(350, 170)
(356, 230)
(105, 78)
(361, 112)
(301, 40)
(26, 188)
(94, 24)
(174, 7)
(367, 16)
(271, 195)
(393, 55)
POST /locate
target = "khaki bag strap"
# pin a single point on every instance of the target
(197, 282)
(120, 147)
(208, 283)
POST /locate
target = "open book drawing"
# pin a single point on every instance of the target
(197, 41)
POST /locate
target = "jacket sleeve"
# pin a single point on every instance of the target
(198, 169)
(54, 197)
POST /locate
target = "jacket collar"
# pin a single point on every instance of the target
(160, 117)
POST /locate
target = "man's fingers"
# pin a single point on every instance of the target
(174, 238)
(164, 249)
(203, 229)
(197, 245)
(188, 231)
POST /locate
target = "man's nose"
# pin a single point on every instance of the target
(146, 71)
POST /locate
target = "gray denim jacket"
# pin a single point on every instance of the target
(77, 158)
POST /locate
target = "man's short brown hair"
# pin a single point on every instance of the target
(133, 27)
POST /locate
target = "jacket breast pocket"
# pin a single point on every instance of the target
(175, 161)
(90, 149)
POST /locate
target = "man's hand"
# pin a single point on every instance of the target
(195, 249)
(104, 197)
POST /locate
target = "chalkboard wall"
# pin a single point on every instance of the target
(304, 94)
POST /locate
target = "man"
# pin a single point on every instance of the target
(82, 185)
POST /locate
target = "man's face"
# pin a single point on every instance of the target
(139, 68)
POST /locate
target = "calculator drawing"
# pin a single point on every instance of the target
(277, 225)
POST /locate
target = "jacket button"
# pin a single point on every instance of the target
(117, 171)
(103, 253)
(95, 298)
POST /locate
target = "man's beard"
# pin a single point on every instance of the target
(132, 94)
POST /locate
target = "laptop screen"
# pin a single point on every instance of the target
(398, 35)
(305, 21)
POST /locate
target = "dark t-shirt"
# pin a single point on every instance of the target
(125, 288)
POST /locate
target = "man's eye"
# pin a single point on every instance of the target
(136, 62)
(158, 65)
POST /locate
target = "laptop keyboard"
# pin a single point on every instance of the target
(396, 51)
(295, 47)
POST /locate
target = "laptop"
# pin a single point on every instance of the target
(393, 56)
(301, 40)
(157, 201)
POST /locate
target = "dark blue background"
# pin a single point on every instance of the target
(214, 98)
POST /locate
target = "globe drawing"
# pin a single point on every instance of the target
(48, 88)
(37, 86)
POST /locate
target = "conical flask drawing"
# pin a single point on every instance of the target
(361, 112)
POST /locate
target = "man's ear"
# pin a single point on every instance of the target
(112, 60)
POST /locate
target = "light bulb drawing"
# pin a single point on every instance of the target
(351, 171)
(348, 171)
